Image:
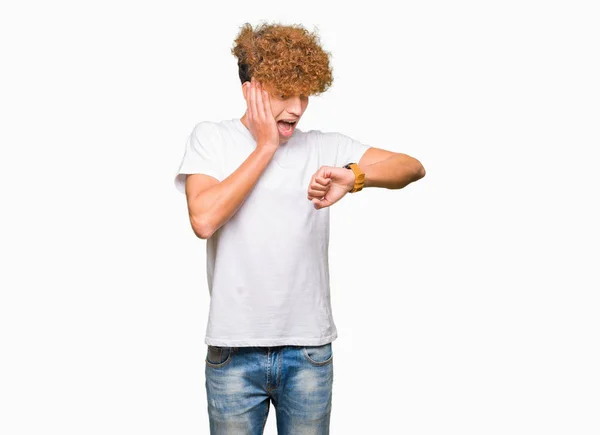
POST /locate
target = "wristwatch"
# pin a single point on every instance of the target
(359, 177)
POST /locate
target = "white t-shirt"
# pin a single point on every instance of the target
(267, 266)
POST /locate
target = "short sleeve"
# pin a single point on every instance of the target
(339, 149)
(201, 155)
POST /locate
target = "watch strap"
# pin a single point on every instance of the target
(359, 177)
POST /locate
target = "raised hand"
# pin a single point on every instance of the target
(328, 185)
(260, 116)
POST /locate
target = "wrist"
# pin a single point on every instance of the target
(359, 177)
(266, 148)
(352, 177)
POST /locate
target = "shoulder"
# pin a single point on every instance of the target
(205, 127)
(208, 131)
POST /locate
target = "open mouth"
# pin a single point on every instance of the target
(286, 126)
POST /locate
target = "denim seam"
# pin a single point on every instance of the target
(280, 362)
(222, 364)
(317, 363)
(268, 370)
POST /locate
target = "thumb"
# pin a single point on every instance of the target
(321, 203)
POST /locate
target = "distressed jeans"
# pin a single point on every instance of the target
(241, 382)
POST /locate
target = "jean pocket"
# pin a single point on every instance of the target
(318, 355)
(218, 356)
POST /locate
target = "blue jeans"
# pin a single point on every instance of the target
(242, 381)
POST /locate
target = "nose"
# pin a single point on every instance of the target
(294, 106)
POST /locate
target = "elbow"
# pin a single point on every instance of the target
(417, 170)
(201, 228)
(420, 173)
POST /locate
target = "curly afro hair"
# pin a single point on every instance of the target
(286, 57)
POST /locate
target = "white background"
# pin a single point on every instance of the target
(466, 303)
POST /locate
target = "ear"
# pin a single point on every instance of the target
(245, 90)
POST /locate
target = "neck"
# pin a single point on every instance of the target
(244, 120)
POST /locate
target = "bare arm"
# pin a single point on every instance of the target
(391, 170)
(212, 203)
(382, 168)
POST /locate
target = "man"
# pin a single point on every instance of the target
(258, 190)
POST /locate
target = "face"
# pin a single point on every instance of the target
(284, 107)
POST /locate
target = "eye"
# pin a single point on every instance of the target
(282, 96)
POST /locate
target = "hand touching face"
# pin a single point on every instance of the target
(259, 115)
(285, 109)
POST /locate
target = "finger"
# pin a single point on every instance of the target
(260, 109)
(267, 103)
(314, 198)
(324, 173)
(315, 194)
(253, 99)
(322, 180)
(318, 188)
(320, 203)
(249, 100)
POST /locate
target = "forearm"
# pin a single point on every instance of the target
(213, 207)
(394, 172)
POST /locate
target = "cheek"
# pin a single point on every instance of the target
(277, 109)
